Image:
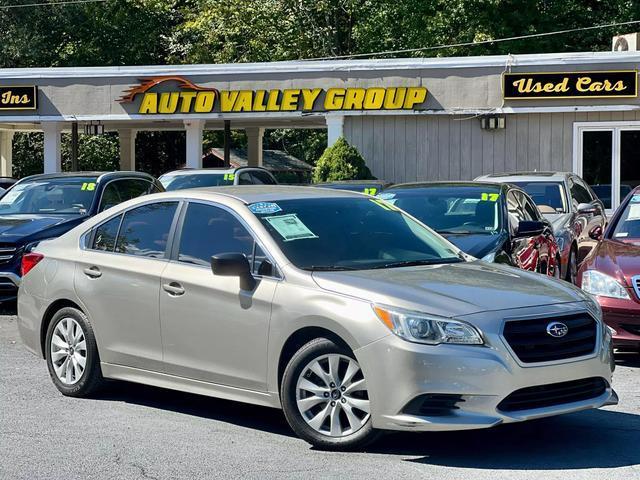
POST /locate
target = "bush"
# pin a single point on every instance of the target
(341, 161)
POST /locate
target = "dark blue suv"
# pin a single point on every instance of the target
(45, 206)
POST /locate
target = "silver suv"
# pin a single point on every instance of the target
(337, 307)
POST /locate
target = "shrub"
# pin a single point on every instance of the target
(341, 161)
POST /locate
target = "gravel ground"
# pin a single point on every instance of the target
(133, 431)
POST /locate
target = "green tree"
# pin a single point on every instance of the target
(341, 161)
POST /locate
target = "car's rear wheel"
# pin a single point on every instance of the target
(572, 267)
(325, 399)
(72, 354)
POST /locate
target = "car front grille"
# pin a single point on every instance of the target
(635, 329)
(531, 343)
(7, 251)
(553, 394)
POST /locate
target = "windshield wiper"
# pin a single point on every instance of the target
(328, 268)
(415, 263)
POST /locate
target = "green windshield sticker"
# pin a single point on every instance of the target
(230, 176)
(290, 227)
(89, 186)
(370, 191)
(489, 197)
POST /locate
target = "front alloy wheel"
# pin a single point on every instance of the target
(68, 351)
(325, 399)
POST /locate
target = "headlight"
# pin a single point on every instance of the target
(423, 328)
(489, 257)
(597, 283)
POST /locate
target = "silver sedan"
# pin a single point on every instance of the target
(337, 307)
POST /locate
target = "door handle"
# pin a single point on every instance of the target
(173, 288)
(92, 272)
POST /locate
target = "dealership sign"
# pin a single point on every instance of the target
(531, 86)
(175, 95)
(18, 97)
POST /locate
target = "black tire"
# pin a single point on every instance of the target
(314, 349)
(572, 266)
(91, 379)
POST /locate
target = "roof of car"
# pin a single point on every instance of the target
(263, 193)
(352, 182)
(43, 176)
(525, 176)
(204, 171)
(442, 184)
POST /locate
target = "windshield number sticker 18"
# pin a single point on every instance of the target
(90, 186)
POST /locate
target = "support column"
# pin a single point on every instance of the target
(194, 143)
(335, 128)
(52, 153)
(127, 138)
(6, 153)
(254, 146)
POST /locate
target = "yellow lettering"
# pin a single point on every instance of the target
(582, 85)
(394, 98)
(258, 101)
(373, 99)
(228, 99)
(619, 86)
(309, 97)
(204, 102)
(415, 95)
(187, 98)
(353, 99)
(290, 100)
(243, 102)
(168, 102)
(272, 101)
(149, 103)
(334, 99)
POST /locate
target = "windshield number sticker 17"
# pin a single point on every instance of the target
(490, 197)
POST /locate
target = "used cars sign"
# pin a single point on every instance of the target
(23, 97)
(526, 86)
(169, 95)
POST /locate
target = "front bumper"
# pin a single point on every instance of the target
(398, 372)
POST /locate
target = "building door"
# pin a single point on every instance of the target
(607, 156)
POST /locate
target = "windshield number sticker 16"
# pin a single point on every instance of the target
(90, 186)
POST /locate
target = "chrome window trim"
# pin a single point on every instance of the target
(635, 283)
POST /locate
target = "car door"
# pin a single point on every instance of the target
(117, 279)
(211, 329)
(545, 242)
(524, 250)
(586, 221)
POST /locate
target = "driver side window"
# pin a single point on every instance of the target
(516, 212)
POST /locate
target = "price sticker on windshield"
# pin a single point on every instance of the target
(489, 197)
(88, 186)
(230, 176)
(370, 191)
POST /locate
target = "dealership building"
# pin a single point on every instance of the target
(412, 119)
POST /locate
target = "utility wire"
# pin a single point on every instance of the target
(46, 4)
(483, 42)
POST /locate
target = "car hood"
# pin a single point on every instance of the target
(16, 227)
(617, 259)
(559, 221)
(451, 289)
(477, 244)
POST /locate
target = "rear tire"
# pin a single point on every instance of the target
(72, 354)
(572, 266)
(330, 408)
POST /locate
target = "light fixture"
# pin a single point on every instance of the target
(94, 128)
(493, 122)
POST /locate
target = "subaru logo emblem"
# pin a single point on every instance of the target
(557, 329)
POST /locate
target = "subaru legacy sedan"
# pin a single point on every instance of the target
(335, 306)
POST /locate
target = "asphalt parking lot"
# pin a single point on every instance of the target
(133, 431)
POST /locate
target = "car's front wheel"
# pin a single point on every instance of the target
(72, 354)
(325, 399)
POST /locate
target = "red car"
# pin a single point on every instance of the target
(612, 273)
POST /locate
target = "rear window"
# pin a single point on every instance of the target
(550, 194)
(145, 230)
(197, 180)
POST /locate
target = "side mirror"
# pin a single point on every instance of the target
(596, 233)
(234, 265)
(587, 208)
(528, 228)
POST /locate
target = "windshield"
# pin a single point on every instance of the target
(628, 226)
(64, 195)
(350, 233)
(180, 182)
(550, 194)
(451, 209)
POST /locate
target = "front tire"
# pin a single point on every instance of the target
(72, 354)
(324, 397)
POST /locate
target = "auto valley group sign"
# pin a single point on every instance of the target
(178, 95)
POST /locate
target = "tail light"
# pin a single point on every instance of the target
(30, 260)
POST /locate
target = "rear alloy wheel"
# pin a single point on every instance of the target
(72, 354)
(325, 399)
(572, 267)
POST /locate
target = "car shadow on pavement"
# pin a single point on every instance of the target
(242, 414)
(584, 440)
(628, 359)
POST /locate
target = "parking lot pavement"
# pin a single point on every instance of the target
(133, 431)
